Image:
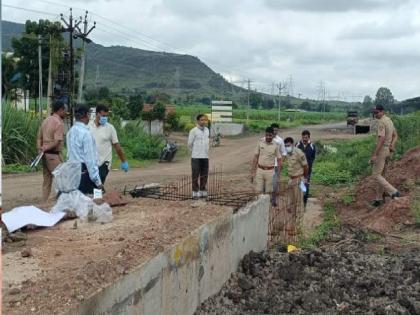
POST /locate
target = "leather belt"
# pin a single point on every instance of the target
(265, 168)
(294, 177)
(52, 152)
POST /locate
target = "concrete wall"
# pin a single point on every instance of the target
(181, 278)
(154, 127)
(228, 129)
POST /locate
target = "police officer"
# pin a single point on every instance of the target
(263, 164)
(297, 168)
(385, 145)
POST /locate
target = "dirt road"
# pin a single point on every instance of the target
(234, 156)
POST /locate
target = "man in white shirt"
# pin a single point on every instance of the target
(282, 148)
(106, 137)
(198, 143)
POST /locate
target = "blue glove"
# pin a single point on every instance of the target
(124, 166)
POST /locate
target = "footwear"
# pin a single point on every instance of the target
(395, 195)
(203, 193)
(196, 194)
(377, 203)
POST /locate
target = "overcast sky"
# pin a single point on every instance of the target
(353, 46)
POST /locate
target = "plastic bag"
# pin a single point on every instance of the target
(302, 186)
(74, 201)
(100, 213)
(67, 176)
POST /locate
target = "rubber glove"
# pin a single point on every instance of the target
(124, 166)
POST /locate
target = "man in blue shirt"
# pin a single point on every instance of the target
(81, 147)
(310, 152)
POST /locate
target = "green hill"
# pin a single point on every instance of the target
(119, 67)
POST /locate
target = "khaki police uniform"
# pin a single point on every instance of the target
(296, 161)
(267, 153)
(385, 129)
(52, 129)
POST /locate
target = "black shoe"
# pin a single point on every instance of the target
(395, 195)
(377, 203)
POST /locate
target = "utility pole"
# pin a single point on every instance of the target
(70, 27)
(85, 40)
(49, 84)
(40, 75)
(249, 92)
(280, 87)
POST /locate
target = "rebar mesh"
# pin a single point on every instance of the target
(217, 192)
(285, 222)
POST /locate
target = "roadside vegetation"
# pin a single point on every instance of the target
(343, 163)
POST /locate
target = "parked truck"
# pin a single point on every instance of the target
(352, 118)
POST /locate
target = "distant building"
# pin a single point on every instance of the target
(168, 108)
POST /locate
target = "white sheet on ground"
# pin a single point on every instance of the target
(22, 216)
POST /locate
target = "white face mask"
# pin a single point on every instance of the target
(289, 149)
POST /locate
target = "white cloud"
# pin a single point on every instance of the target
(354, 46)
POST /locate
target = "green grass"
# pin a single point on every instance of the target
(344, 162)
(259, 119)
(345, 165)
(18, 169)
(347, 199)
(330, 221)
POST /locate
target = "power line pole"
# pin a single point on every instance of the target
(280, 87)
(85, 40)
(70, 27)
(40, 75)
(249, 92)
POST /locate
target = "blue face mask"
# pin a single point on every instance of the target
(103, 120)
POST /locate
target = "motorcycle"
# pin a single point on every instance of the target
(168, 151)
(216, 139)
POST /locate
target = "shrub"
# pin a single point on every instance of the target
(173, 120)
(137, 144)
(19, 132)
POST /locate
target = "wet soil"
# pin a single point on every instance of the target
(343, 277)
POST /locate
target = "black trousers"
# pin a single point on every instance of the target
(306, 194)
(200, 173)
(86, 185)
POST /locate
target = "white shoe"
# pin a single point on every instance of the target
(196, 194)
(203, 193)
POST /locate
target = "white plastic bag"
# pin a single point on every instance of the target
(101, 213)
(74, 201)
(67, 176)
(302, 186)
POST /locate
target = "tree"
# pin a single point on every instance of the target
(268, 103)
(103, 92)
(367, 101)
(10, 76)
(285, 103)
(305, 105)
(26, 50)
(384, 97)
(135, 106)
(255, 100)
(367, 104)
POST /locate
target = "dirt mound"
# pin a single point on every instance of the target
(403, 174)
(338, 281)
